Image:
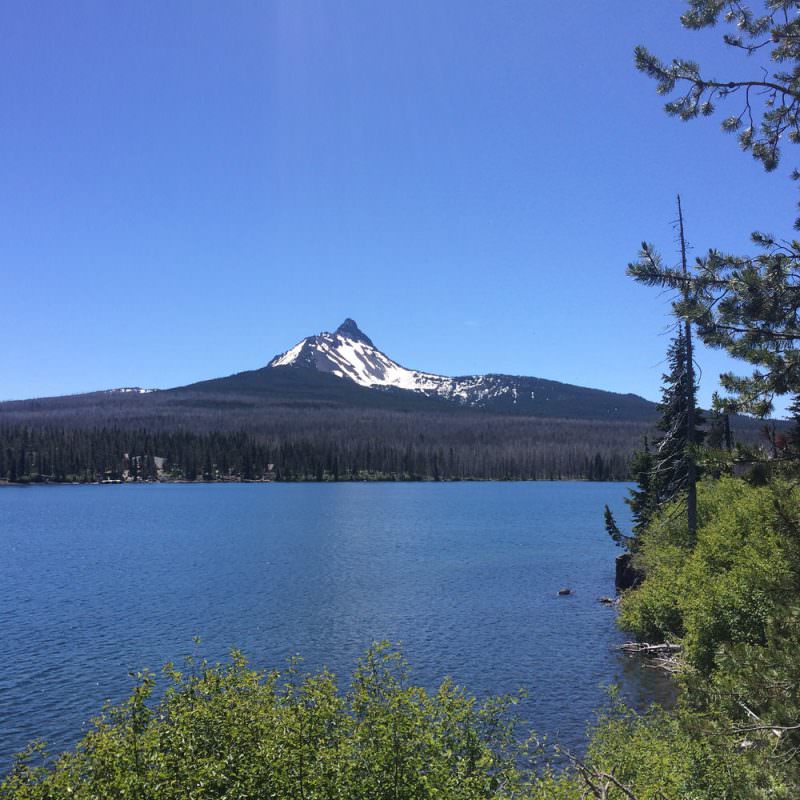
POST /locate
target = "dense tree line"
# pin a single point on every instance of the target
(420, 452)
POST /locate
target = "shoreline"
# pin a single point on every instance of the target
(237, 482)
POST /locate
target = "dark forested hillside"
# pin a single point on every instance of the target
(530, 396)
(303, 421)
(316, 427)
(249, 394)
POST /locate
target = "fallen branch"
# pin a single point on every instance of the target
(597, 782)
(650, 649)
(776, 730)
(671, 665)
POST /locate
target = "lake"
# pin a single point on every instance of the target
(97, 581)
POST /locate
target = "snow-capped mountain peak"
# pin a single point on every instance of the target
(350, 354)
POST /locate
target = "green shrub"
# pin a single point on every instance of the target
(231, 732)
(725, 589)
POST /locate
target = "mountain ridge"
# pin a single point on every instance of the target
(348, 353)
(315, 422)
(343, 369)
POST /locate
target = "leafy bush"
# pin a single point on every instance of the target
(727, 588)
(231, 732)
(733, 600)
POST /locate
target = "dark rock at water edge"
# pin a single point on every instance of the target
(606, 601)
(627, 576)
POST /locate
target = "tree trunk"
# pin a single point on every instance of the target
(691, 489)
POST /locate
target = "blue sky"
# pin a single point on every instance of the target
(188, 188)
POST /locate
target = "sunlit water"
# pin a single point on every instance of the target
(98, 581)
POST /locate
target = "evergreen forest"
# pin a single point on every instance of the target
(369, 450)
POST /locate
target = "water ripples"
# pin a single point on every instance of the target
(96, 582)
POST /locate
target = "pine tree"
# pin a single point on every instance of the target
(641, 500)
(766, 103)
(612, 529)
(668, 470)
(674, 468)
(747, 305)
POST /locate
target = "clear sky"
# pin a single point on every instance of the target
(188, 188)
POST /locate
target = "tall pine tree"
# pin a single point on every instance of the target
(665, 470)
(674, 470)
(671, 469)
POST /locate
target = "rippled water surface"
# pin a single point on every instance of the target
(97, 581)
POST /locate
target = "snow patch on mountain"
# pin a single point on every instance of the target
(289, 357)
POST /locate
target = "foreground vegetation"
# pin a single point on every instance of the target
(228, 731)
(231, 732)
(731, 598)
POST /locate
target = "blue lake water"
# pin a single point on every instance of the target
(98, 581)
